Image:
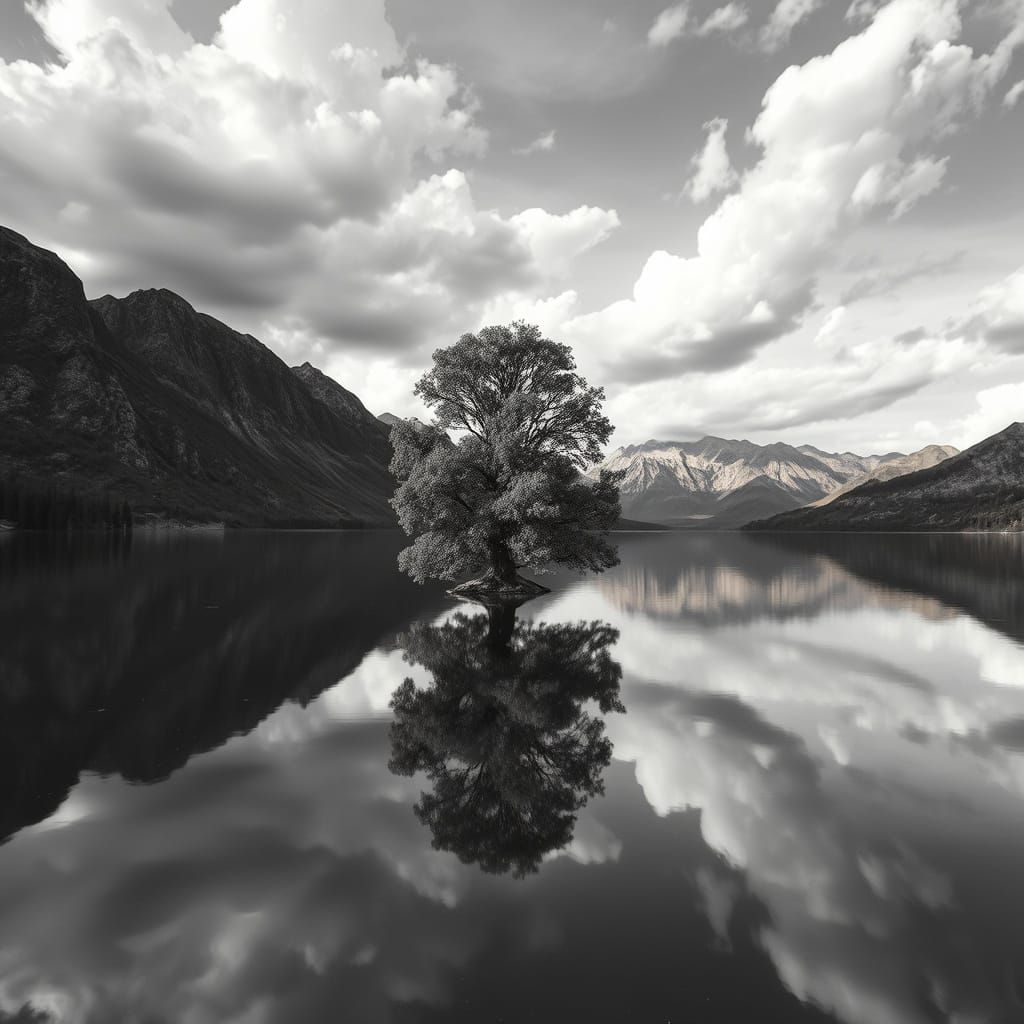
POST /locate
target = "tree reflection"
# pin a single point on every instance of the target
(502, 732)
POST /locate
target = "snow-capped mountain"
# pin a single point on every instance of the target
(726, 483)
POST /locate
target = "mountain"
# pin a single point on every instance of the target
(927, 457)
(341, 400)
(722, 483)
(389, 419)
(173, 410)
(980, 488)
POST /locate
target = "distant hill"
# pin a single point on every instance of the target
(389, 419)
(636, 525)
(723, 484)
(980, 488)
(173, 410)
(927, 457)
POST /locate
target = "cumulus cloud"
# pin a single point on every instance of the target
(712, 168)
(669, 25)
(275, 174)
(759, 396)
(997, 408)
(843, 137)
(1013, 94)
(554, 241)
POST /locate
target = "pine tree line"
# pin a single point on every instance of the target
(31, 505)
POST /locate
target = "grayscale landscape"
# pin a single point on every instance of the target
(511, 512)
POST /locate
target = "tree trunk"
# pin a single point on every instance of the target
(503, 566)
(501, 624)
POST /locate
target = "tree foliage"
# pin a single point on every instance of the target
(496, 482)
(503, 736)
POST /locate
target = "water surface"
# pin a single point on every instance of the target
(735, 779)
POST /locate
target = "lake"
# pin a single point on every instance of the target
(735, 779)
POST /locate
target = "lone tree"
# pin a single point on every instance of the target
(496, 484)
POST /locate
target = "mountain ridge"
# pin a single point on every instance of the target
(979, 488)
(715, 482)
(152, 400)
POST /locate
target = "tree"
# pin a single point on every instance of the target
(495, 484)
(504, 736)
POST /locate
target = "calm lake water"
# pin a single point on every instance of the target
(736, 779)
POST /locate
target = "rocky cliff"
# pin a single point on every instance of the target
(166, 406)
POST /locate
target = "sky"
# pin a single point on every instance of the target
(794, 220)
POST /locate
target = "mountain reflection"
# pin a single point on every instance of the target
(733, 579)
(129, 659)
(502, 733)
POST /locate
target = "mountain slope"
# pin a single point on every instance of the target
(982, 487)
(171, 408)
(346, 404)
(717, 482)
(927, 457)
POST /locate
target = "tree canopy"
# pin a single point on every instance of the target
(504, 736)
(495, 484)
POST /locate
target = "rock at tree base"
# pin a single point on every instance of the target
(490, 588)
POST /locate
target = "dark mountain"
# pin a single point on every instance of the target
(163, 405)
(341, 400)
(981, 488)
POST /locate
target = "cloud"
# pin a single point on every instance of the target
(726, 19)
(997, 408)
(765, 396)
(542, 144)
(784, 18)
(861, 11)
(1001, 313)
(915, 334)
(669, 25)
(712, 169)
(843, 137)
(830, 326)
(674, 23)
(556, 240)
(885, 281)
(1013, 94)
(294, 172)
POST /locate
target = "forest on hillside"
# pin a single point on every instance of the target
(32, 505)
